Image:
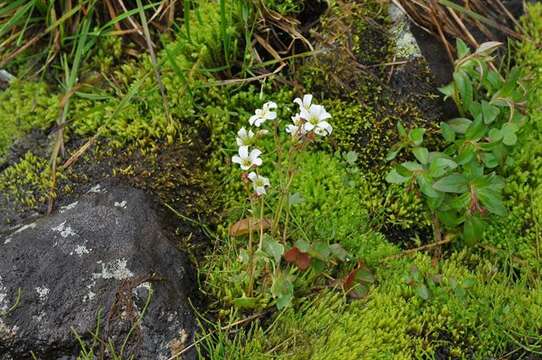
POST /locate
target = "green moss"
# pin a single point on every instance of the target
(285, 7)
(26, 183)
(24, 106)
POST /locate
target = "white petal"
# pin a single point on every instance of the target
(260, 190)
(271, 115)
(254, 154)
(253, 119)
(307, 100)
(298, 102)
(245, 167)
(236, 159)
(320, 131)
(326, 126)
(266, 181)
(324, 114)
(243, 151)
(258, 122)
(308, 126)
(257, 162)
(316, 110)
(270, 105)
(304, 114)
(250, 133)
(252, 176)
(239, 141)
(242, 133)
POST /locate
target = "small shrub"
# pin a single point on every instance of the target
(461, 185)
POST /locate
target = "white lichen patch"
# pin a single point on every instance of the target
(121, 204)
(25, 227)
(80, 250)
(91, 294)
(6, 332)
(43, 293)
(3, 297)
(406, 46)
(96, 189)
(64, 230)
(115, 269)
(68, 207)
(7, 241)
(39, 318)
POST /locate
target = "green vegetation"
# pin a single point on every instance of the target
(388, 298)
(461, 184)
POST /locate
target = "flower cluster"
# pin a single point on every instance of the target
(310, 119)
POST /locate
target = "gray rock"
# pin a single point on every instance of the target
(101, 259)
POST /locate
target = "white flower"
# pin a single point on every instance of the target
(263, 114)
(315, 118)
(297, 120)
(292, 129)
(259, 183)
(244, 137)
(246, 160)
(295, 129)
(305, 103)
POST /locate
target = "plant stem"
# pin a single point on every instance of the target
(437, 233)
(261, 223)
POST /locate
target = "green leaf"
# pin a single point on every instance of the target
(421, 154)
(509, 134)
(425, 185)
(489, 112)
(351, 157)
(441, 166)
(411, 166)
(320, 250)
(401, 129)
(339, 252)
(454, 183)
(449, 218)
(491, 201)
(272, 247)
(462, 48)
(466, 154)
(447, 90)
(416, 136)
(392, 154)
(459, 125)
(473, 230)
(490, 161)
(487, 48)
(495, 135)
(302, 245)
(393, 177)
(283, 290)
(461, 201)
(476, 131)
(447, 132)
(463, 85)
(364, 274)
(423, 291)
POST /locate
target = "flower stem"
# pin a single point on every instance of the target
(261, 223)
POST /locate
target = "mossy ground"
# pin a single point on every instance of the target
(483, 302)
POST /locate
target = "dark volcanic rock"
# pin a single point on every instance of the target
(102, 259)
